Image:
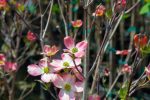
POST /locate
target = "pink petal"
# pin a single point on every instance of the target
(58, 81)
(66, 96)
(82, 45)
(43, 63)
(80, 54)
(69, 78)
(78, 86)
(69, 42)
(47, 78)
(77, 74)
(34, 70)
(56, 64)
(78, 61)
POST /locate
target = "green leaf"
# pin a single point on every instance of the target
(145, 9)
(147, 0)
(32, 9)
(125, 16)
(123, 91)
(55, 8)
(24, 85)
(145, 50)
(21, 8)
(108, 13)
(73, 2)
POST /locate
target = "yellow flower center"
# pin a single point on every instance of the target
(74, 50)
(66, 64)
(1, 62)
(46, 69)
(67, 87)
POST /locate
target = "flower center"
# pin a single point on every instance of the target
(1, 62)
(74, 50)
(66, 64)
(67, 87)
(46, 70)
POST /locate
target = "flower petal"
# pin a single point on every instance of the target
(58, 81)
(78, 61)
(47, 78)
(43, 63)
(56, 64)
(78, 86)
(69, 42)
(82, 45)
(66, 96)
(80, 54)
(69, 78)
(77, 74)
(34, 70)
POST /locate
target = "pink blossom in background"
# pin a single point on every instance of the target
(31, 36)
(50, 51)
(126, 69)
(123, 52)
(68, 87)
(2, 59)
(3, 3)
(106, 72)
(100, 10)
(123, 2)
(77, 23)
(77, 50)
(44, 69)
(10, 66)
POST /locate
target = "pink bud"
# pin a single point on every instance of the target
(123, 52)
(106, 72)
(31, 36)
(123, 2)
(100, 10)
(3, 3)
(50, 51)
(10, 66)
(77, 23)
(126, 69)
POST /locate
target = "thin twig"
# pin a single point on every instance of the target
(65, 23)
(48, 19)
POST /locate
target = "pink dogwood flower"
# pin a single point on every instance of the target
(66, 62)
(2, 59)
(77, 23)
(68, 86)
(126, 69)
(10, 66)
(77, 50)
(44, 69)
(50, 51)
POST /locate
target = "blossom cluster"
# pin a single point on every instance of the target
(7, 66)
(64, 73)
